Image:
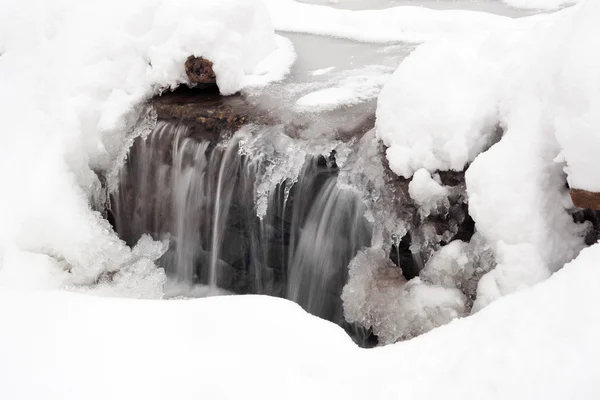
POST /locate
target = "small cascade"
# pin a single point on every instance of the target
(206, 197)
(327, 234)
(177, 188)
(322, 223)
(228, 166)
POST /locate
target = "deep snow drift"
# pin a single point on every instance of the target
(540, 343)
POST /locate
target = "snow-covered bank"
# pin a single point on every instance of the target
(403, 23)
(73, 75)
(540, 4)
(540, 85)
(538, 343)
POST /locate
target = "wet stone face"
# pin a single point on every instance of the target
(207, 114)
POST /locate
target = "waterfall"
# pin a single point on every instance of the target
(258, 212)
(329, 229)
(226, 177)
(202, 196)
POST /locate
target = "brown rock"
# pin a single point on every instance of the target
(207, 114)
(200, 70)
(584, 199)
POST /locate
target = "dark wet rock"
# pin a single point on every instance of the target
(199, 70)
(401, 255)
(588, 211)
(592, 217)
(450, 222)
(206, 113)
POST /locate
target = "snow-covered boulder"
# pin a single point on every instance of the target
(72, 120)
(540, 84)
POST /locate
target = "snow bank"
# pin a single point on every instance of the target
(73, 74)
(224, 347)
(442, 107)
(403, 23)
(576, 100)
(540, 343)
(540, 4)
(542, 120)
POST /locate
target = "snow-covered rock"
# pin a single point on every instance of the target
(73, 75)
(440, 111)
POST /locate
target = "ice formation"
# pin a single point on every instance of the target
(377, 296)
(460, 265)
(362, 170)
(276, 160)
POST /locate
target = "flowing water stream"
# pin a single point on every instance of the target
(202, 197)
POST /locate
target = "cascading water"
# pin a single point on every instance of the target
(325, 240)
(203, 197)
(322, 223)
(176, 187)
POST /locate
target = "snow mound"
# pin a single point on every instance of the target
(576, 100)
(73, 75)
(441, 109)
(540, 343)
(542, 120)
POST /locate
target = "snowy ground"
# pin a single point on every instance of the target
(539, 343)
